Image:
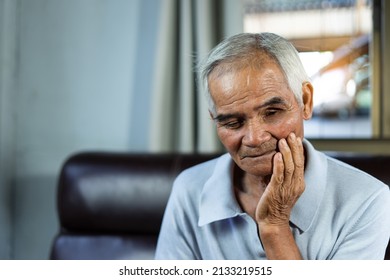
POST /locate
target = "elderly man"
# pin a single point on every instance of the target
(273, 196)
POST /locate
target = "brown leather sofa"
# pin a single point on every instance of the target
(110, 205)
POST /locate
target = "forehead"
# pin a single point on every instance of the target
(238, 81)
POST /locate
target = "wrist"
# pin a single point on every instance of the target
(273, 229)
(278, 242)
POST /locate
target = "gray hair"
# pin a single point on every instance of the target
(245, 47)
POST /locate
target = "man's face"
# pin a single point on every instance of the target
(254, 109)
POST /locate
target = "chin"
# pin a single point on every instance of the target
(262, 170)
(257, 166)
(260, 173)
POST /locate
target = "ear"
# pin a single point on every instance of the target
(307, 98)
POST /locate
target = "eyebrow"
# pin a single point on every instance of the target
(271, 102)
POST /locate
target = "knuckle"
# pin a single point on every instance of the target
(299, 165)
(289, 170)
(279, 178)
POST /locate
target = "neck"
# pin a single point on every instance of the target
(250, 184)
(248, 190)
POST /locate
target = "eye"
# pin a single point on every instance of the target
(236, 124)
(271, 112)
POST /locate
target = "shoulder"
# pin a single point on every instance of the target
(200, 171)
(190, 182)
(343, 184)
(326, 169)
(197, 174)
(355, 189)
(353, 177)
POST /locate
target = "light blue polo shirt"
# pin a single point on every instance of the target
(342, 214)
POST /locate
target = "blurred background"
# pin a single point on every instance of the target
(118, 75)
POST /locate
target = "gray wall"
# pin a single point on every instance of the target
(66, 84)
(7, 82)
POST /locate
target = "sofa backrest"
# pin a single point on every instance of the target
(110, 205)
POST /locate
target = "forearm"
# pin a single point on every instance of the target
(279, 243)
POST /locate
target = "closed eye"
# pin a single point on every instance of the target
(233, 125)
(230, 121)
(272, 111)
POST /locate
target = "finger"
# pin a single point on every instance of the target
(297, 151)
(287, 160)
(296, 147)
(277, 177)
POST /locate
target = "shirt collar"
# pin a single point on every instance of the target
(218, 201)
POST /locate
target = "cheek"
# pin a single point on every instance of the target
(231, 140)
(290, 124)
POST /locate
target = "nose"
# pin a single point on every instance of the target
(255, 135)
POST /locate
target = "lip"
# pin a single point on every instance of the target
(262, 155)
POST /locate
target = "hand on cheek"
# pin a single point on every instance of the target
(286, 184)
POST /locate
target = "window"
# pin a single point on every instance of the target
(334, 39)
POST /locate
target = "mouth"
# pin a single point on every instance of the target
(258, 155)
